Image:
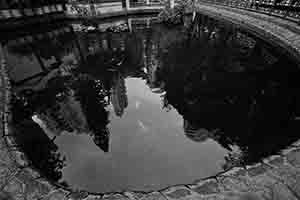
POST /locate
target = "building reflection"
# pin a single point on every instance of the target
(65, 115)
(118, 94)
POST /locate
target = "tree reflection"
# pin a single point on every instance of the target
(52, 106)
(91, 94)
(226, 89)
(38, 147)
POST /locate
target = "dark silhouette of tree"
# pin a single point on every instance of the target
(91, 95)
(40, 149)
(252, 108)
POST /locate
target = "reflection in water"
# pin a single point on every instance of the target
(118, 94)
(139, 95)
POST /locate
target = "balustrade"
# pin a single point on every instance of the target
(289, 9)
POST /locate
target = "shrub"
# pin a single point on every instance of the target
(173, 16)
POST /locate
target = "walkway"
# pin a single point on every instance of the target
(276, 178)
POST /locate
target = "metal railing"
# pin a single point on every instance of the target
(288, 9)
(97, 9)
(141, 3)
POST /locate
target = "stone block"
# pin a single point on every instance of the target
(243, 196)
(236, 171)
(56, 195)
(93, 197)
(280, 192)
(13, 186)
(289, 176)
(276, 161)
(77, 195)
(180, 193)
(115, 197)
(206, 187)
(145, 196)
(6, 196)
(235, 184)
(294, 158)
(257, 170)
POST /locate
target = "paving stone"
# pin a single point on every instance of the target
(115, 197)
(260, 169)
(35, 189)
(4, 173)
(243, 196)
(233, 184)
(93, 197)
(289, 176)
(56, 195)
(145, 196)
(294, 158)
(276, 162)
(240, 172)
(206, 187)
(263, 184)
(280, 192)
(6, 196)
(180, 192)
(5, 157)
(236, 171)
(134, 195)
(77, 195)
(213, 197)
(154, 196)
(32, 187)
(20, 158)
(13, 186)
(297, 143)
(34, 174)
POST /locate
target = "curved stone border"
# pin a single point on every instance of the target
(277, 177)
(273, 29)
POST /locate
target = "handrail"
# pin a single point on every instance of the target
(90, 10)
(287, 9)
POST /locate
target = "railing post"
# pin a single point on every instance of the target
(127, 5)
(129, 22)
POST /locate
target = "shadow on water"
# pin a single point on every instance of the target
(235, 90)
(226, 84)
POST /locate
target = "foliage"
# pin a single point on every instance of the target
(173, 16)
(207, 76)
(91, 94)
(118, 28)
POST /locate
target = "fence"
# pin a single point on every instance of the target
(288, 9)
(112, 6)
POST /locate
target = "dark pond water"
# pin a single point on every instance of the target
(151, 106)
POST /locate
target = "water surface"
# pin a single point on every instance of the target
(149, 107)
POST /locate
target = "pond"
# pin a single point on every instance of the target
(150, 106)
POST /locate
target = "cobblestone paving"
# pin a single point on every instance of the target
(276, 178)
